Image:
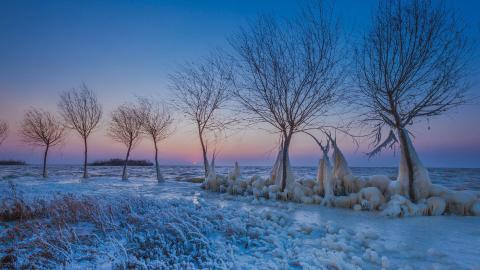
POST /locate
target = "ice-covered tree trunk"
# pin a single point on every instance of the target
(286, 171)
(273, 174)
(211, 182)
(278, 171)
(322, 173)
(157, 166)
(124, 173)
(340, 169)
(412, 175)
(324, 176)
(206, 166)
(211, 171)
(340, 164)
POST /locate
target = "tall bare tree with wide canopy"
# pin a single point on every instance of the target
(81, 112)
(411, 66)
(202, 90)
(41, 128)
(3, 131)
(126, 127)
(156, 123)
(289, 73)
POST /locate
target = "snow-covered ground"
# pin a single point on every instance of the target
(223, 231)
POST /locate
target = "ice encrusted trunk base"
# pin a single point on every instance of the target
(340, 170)
(337, 186)
(278, 173)
(420, 185)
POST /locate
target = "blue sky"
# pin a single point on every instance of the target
(127, 48)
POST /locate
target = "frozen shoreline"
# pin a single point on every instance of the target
(307, 230)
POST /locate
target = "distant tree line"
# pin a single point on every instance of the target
(121, 162)
(13, 162)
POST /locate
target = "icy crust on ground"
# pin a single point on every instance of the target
(131, 232)
(336, 186)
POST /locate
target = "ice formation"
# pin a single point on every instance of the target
(212, 181)
(336, 186)
(235, 174)
(371, 198)
(325, 178)
(277, 171)
(421, 183)
(340, 169)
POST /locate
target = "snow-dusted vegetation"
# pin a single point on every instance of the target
(131, 232)
(141, 224)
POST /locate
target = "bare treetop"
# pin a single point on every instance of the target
(81, 110)
(412, 63)
(156, 118)
(125, 126)
(3, 131)
(289, 71)
(41, 128)
(202, 89)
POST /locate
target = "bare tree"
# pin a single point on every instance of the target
(202, 91)
(289, 73)
(411, 65)
(157, 124)
(3, 131)
(81, 112)
(126, 127)
(41, 128)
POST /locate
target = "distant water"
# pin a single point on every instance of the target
(453, 178)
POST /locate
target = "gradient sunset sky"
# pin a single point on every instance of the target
(125, 48)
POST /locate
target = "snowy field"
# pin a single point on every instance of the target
(140, 224)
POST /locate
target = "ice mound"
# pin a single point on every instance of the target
(421, 183)
(336, 186)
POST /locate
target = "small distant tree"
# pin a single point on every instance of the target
(410, 66)
(3, 131)
(156, 123)
(126, 127)
(289, 74)
(81, 112)
(41, 128)
(202, 91)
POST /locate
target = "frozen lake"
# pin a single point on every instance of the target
(455, 178)
(294, 235)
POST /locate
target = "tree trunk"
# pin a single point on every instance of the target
(157, 167)
(124, 174)
(403, 144)
(286, 145)
(44, 174)
(402, 133)
(205, 157)
(85, 173)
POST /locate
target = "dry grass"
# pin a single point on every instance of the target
(129, 232)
